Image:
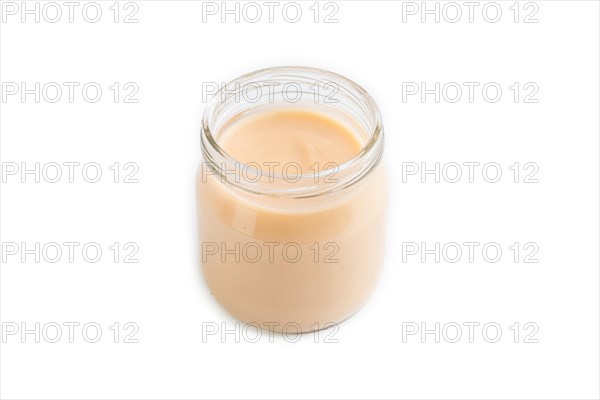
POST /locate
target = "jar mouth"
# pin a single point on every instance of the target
(354, 101)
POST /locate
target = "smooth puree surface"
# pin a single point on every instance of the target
(340, 236)
(308, 138)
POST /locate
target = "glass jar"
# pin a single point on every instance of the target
(298, 253)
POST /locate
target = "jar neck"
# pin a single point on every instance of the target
(297, 87)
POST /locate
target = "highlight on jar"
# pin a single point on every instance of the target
(291, 198)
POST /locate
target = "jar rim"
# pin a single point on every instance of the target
(351, 170)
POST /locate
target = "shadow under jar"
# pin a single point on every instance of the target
(291, 218)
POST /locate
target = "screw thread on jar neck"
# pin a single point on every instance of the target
(311, 88)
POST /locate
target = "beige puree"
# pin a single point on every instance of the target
(289, 264)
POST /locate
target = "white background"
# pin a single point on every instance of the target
(169, 54)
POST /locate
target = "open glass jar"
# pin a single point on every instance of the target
(297, 250)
